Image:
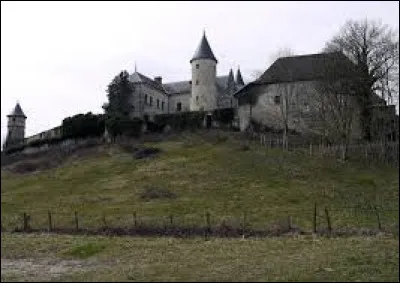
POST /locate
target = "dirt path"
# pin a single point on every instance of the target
(40, 269)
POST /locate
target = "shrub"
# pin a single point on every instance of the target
(121, 126)
(224, 115)
(146, 152)
(83, 125)
(156, 193)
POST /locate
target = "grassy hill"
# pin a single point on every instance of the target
(202, 173)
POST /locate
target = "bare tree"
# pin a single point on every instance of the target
(281, 52)
(287, 94)
(374, 49)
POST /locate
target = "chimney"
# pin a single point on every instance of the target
(158, 79)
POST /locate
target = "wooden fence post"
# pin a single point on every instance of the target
(208, 229)
(76, 221)
(244, 224)
(328, 220)
(104, 221)
(378, 218)
(49, 216)
(25, 222)
(310, 149)
(135, 219)
(290, 223)
(315, 218)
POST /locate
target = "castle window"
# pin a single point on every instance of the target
(197, 66)
(306, 107)
(277, 99)
(158, 103)
(197, 82)
(145, 99)
(13, 120)
(178, 106)
(197, 98)
(151, 101)
(162, 105)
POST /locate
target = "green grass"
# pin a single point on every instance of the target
(166, 259)
(205, 175)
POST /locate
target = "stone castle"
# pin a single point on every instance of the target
(205, 91)
(262, 101)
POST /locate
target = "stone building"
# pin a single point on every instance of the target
(205, 91)
(289, 92)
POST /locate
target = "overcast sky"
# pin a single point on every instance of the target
(58, 57)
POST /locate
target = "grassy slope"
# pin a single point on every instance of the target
(164, 259)
(205, 176)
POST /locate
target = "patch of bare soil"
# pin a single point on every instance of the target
(40, 269)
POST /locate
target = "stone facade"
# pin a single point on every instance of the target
(269, 108)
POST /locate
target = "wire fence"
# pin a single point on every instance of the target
(371, 153)
(339, 221)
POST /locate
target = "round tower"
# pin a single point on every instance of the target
(16, 126)
(204, 71)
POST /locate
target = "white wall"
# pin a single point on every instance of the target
(182, 98)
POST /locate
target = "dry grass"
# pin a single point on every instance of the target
(167, 259)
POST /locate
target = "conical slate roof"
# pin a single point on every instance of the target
(239, 79)
(17, 111)
(230, 75)
(204, 50)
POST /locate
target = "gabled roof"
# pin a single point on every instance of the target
(137, 77)
(178, 87)
(204, 50)
(310, 67)
(17, 111)
(303, 68)
(183, 87)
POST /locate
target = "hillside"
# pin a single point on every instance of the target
(196, 173)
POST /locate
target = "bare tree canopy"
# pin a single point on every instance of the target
(374, 49)
(281, 52)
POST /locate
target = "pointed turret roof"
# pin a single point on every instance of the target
(204, 50)
(230, 76)
(239, 79)
(17, 111)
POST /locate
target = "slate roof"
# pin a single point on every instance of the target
(180, 87)
(204, 50)
(137, 77)
(303, 68)
(17, 111)
(183, 87)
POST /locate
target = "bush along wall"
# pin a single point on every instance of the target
(83, 125)
(123, 126)
(190, 120)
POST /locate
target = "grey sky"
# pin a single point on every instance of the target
(58, 57)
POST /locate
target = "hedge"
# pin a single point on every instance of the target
(190, 120)
(83, 125)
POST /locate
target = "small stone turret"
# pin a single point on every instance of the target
(16, 126)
